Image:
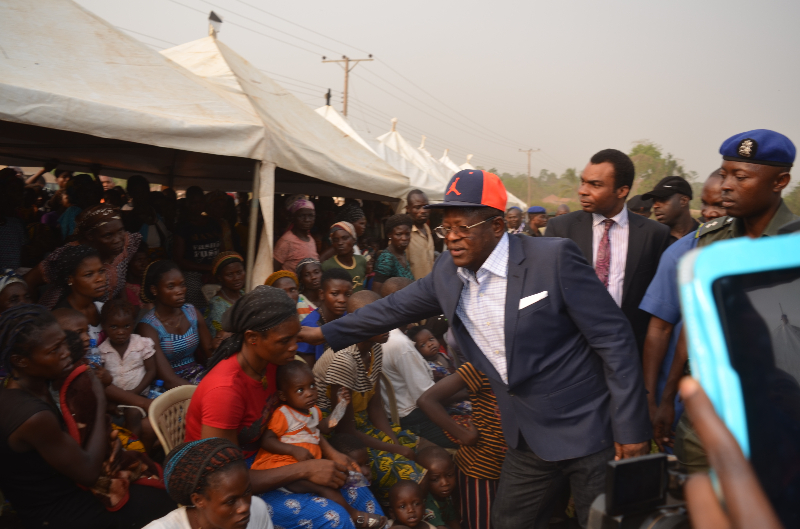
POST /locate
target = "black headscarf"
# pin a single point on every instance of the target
(350, 213)
(259, 310)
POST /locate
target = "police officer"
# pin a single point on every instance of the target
(755, 170)
(537, 219)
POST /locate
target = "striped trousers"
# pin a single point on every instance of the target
(477, 496)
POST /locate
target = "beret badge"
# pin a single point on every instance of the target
(747, 148)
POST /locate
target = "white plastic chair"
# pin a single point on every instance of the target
(168, 415)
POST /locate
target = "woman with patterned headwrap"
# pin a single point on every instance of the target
(101, 228)
(343, 237)
(209, 479)
(286, 281)
(353, 214)
(228, 269)
(238, 394)
(297, 243)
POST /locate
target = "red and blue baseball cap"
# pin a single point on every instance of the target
(473, 188)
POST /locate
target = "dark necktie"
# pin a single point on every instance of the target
(603, 263)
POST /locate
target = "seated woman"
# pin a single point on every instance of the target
(309, 274)
(45, 470)
(336, 288)
(180, 335)
(228, 269)
(286, 281)
(482, 451)
(353, 214)
(343, 236)
(101, 228)
(239, 393)
(209, 479)
(358, 369)
(393, 262)
(82, 280)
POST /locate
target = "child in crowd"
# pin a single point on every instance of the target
(440, 365)
(440, 509)
(74, 321)
(129, 358)
(309, 274)
(407, 504)
(358, 369)
(335, 288)
(135, 277)
(228, 270)
(296, 425)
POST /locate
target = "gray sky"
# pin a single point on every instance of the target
(568, 77)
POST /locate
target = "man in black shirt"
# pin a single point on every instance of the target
(671, 198)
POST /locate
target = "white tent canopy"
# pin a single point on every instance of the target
(447, 162)
(77, 89)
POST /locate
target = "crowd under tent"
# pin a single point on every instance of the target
(321, 159)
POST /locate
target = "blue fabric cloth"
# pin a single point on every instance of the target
(290, 510)
(67, 221)
(179, 349)
(312, 320)
(573, 364)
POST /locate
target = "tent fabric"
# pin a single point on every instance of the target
(434, 176)
(300, 140)
(447, 162)
(66, 69)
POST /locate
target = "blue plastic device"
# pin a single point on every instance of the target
(708, 350)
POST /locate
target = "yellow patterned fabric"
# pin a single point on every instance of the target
(128, 440)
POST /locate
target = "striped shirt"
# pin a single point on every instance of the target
(485, 459)
(345, 368)
(482, 307)
(618, 242)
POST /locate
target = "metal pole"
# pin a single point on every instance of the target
(346, 79)
(253, 228)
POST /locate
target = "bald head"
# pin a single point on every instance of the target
(562, 209)
(360, 299)
(393, 284)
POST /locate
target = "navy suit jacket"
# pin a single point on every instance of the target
(574, 378)
(647, 240)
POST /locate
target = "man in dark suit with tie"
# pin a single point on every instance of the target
(530, 313)
(624, 249)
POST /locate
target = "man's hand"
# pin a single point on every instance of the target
(311, 335)
(631, 450)
(663, 434)
(327, 473)
(745, 501)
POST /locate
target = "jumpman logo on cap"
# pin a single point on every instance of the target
(453, 187)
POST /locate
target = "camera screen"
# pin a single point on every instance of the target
(760, 316)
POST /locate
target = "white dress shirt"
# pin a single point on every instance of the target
(482, 306)
(407, 370)
(618, 240)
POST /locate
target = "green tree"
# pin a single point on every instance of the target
(792, 200)
(652, 165)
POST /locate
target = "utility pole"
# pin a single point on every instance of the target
(347, 68)
(529, 152)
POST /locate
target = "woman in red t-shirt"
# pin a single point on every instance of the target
(237, 395)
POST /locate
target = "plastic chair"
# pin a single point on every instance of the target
(389, 390)
(168, 415)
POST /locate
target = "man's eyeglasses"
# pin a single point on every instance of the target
(460, 231)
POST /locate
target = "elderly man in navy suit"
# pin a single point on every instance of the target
(533, 316)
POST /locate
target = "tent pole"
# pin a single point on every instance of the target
(253, 228)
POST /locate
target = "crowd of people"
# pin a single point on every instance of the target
(377, 378)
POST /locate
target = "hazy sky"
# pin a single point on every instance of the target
(567, 77)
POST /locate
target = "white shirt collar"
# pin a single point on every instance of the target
(496, 263)
(620, 218)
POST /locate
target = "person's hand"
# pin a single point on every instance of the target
(311, 335)
(327, 473)
(471, 435)
(631, 450)
(663, 434)
(345, 461)
(50, 164)
(300, 453)
(745, 501)
(103, 374)
(404, 451)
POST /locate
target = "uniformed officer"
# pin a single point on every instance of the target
(755, 170)
(537, 221)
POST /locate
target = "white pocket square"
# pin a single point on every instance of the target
(530, 300)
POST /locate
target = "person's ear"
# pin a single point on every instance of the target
(782, 181)
(19, 361)
(198, 500)
(499, 226)
(281, 395)
(623, 191)
(684, 200)
(251, 337)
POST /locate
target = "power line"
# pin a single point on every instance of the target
(145, 35)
